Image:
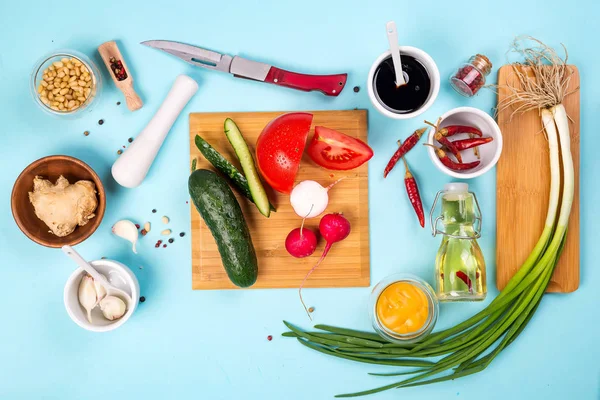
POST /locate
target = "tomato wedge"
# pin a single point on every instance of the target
(279, 149)
(335, 150)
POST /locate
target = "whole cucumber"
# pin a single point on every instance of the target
(221, 212)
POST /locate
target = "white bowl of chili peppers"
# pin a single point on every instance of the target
(465, 143)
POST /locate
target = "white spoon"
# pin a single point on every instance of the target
(110, 289)
(392, 36)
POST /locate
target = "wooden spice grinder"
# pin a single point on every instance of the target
(120, 73)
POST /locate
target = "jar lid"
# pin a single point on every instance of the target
(482, 63)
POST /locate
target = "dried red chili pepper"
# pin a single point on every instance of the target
(450, 163)
(408, 144)
(452, 130)
(464, 277)
(413, 194)
(449, 145)
(465, 144)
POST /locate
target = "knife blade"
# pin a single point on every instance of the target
(330, 85)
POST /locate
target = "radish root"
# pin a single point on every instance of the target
(309, 273)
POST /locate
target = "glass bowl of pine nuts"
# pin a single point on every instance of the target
(65, 83)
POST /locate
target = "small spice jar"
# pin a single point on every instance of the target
(470, 77)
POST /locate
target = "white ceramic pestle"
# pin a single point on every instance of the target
(131, 167)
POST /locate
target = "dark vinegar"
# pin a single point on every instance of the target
(406, 98)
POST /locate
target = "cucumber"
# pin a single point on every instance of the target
(225, 167)
(221, 212)
(243, 153)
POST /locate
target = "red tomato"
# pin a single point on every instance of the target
(334, 150)
(279, 149)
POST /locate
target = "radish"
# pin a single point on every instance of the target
(301, 242)
(334, 228)
(309, 199)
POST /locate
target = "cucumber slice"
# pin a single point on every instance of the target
(225, 167)
(243, 154)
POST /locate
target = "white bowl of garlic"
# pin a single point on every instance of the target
(105, 313)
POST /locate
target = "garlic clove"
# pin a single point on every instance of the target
(100, 290)
(127, 230)
(87, 295)
(112, 307)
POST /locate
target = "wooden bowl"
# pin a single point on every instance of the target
(51, 168)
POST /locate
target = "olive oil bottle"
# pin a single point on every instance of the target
(459, 264)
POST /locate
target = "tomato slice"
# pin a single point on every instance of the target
(279, 149)
(335, 150)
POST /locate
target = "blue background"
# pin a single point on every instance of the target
(213, 344)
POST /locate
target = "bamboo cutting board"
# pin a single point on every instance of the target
(523, 186)
(346, 265)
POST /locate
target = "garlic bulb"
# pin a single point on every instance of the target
(112, 307)
(87, 295)
(126, 230)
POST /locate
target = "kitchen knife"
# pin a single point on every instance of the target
(331, 85)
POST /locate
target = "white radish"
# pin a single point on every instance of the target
(309, 199)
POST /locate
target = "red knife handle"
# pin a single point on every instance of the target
(331, 85)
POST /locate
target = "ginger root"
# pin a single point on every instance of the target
(63, 206)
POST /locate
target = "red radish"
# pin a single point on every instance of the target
(334, 228)
(309, 199)
(301, 242)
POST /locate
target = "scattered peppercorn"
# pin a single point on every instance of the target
(142, 299)
(311, 309)
(118, 103)
(182, 234)
(100, 122)
(86, 133)
(124, 147)
(269, 338)
(130, 140)
(171, 240)
(154, 211)
(137, 226)
(143, 232)
(119, 152)
(356, 89)
(157, 245)
(165, 245)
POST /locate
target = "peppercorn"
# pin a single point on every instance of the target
(86, 133)
(137, 226)
(154, 211)
(269, 338)
(356, 89)
(142, 299)
(119, 152)
(118, 103)
(171, 240)
(143, 232)
(100, 122)
(182, 234)
(130, 140)
(165, 245)
(311, 309)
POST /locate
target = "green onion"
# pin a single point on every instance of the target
(471, 346)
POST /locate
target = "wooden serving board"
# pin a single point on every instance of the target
(347, 264)
(523, 186)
